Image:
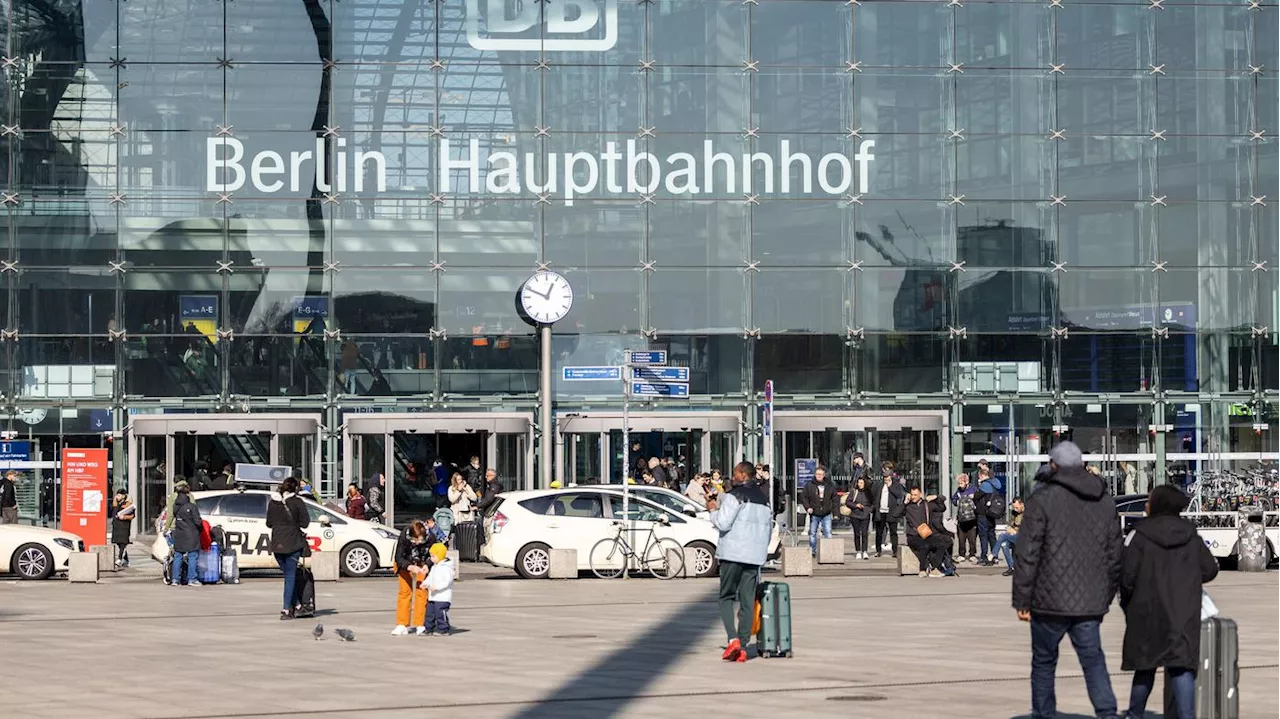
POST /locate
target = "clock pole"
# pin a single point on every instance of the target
(544, 330)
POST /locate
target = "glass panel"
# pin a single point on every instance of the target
(703, 301)
(1104, 36)
(900, 363)
(903, 34)
(1003, 35)
(712, 32)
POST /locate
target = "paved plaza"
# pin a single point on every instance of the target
(866, 646)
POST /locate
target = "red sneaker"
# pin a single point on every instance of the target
(742, 655)
(733, 651)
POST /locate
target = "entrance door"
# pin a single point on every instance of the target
(912, 441)
(164, 446)
(590, 447)
(413, 450)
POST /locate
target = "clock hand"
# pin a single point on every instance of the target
(545, 296)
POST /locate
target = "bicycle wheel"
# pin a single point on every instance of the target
(664, 559)
(607, 559)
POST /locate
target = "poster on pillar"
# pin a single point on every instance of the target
(85, 494)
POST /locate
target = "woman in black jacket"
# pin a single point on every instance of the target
(286, 517)
(858, 500)
(1164, 565)
(186, 536)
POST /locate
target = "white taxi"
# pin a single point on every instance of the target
(36, 552)
(242, 515)
(523, 527)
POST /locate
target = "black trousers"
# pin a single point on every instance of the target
(885, 526)
(927, 551)
(967, 532)
(860, 529)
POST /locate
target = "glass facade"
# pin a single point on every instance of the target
(1038, 207)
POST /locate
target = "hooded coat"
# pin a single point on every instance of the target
(1068, 549)
(186, 524)
(1165, 564)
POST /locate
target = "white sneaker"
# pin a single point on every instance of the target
(924, 574)
(399, 631)
(420, 631)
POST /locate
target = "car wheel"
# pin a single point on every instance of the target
(534, 561)
(32, 561)
(358, 560)
(704, 560)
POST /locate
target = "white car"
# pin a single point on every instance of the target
(242, 514)
(523, 527)
(36, 552)
(677, 502)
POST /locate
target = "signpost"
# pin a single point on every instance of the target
(659, 389)
(766, 423)
(660, 374)
(648, 357)
(15, 455)
(805, 469)
(591, 374)
(85, 494)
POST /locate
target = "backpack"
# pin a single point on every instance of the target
(995, 506)
(966, 511)
(444, 519)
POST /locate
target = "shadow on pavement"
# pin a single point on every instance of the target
(622, 676)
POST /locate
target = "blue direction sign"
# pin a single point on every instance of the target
(659, 389)
(660, 374)
(15, 452)
(649, 357)
(582, 374)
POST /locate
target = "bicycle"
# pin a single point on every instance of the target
(662, 556)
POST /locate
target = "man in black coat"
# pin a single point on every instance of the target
(820, 503)
(1164, 567)
(887, 500)
(1066, 573)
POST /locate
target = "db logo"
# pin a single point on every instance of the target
(530, 26)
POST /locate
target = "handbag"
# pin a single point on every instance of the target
(923, 529)
(949, 524)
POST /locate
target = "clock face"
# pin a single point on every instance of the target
(546, 297)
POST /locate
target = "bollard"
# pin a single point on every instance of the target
(797, 562)
(563, 564)
(324, 566)
(83, 567)
(690, 557)
(831, 551)
(452, 555)
(106, 557)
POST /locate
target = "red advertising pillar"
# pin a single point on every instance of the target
(85, 494)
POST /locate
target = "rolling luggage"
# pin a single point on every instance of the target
(1217, 694)
(305, 590)
(230, 568)
(774, 638)
(470, 539)
(209, 565)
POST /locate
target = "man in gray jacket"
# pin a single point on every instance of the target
(744, 522)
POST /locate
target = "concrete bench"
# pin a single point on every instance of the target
(325, 566)
(106, 557)
(907, 561)
(83, 567)
(797, 562)
(831, 551)
(564, 564)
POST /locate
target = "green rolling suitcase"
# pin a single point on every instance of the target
(774, 639)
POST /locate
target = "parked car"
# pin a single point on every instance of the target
(36, 552)
(242, 514)
(523, 527)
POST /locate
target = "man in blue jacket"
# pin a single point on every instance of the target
(743, 519)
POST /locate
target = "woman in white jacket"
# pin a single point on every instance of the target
(461, 499)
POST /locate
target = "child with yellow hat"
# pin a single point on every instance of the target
(439, 586)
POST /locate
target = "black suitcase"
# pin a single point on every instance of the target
(305, 590)
(470, 537)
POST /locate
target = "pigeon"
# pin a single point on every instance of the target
(318, 631)
(346, 635)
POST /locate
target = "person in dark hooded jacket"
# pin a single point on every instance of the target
(186, 536)
(1066, 572)
(1163, 569)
